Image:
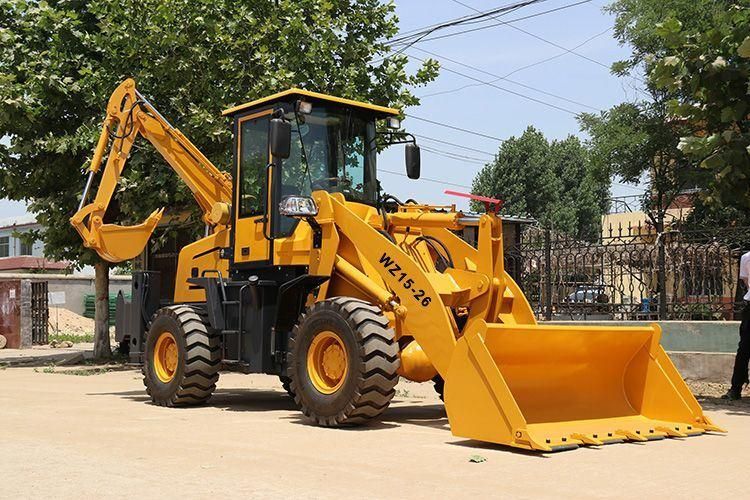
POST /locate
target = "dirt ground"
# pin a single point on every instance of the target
(64, 436)
(65, 321)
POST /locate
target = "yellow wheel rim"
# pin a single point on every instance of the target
(327, 362)
(166, 357)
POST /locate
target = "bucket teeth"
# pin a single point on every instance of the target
(594, 433)
(633, 436)
(587, 439)
(671, 432)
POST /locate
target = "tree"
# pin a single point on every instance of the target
(61, 59)
(640, 139)
(708, 71)
(637, 26)
(633, 140)
(553, 182)
(641, 25)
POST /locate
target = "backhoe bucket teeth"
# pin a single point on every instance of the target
(119, 243)
(550, 387)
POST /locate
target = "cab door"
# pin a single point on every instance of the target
(252, 242)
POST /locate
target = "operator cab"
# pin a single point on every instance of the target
(298, 142)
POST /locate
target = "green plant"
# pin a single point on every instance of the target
(71, 337)
(85, 372)
(707, 70)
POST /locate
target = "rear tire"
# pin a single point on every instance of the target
(190, 378)
(357, 391)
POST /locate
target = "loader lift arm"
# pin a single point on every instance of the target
(132, 114)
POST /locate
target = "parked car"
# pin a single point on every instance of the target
(588, 295)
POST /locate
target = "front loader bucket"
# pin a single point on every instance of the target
(551, 387)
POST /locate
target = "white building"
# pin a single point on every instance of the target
(17, 254)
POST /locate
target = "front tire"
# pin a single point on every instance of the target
(342, 362)
(182, 357)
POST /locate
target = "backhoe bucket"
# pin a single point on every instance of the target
(120, 243)
(550, 387)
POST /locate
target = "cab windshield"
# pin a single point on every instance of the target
(333, 149)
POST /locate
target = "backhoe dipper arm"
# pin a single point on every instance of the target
(131, 114)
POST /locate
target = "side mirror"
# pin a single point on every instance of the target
(413, 161)
(280, 138)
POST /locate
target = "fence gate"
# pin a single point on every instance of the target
(39, 313)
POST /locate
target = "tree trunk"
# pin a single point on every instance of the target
(661, 262)
(102, 348)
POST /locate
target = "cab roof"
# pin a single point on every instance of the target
(380, 111)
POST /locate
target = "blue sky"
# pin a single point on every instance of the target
(498, 50)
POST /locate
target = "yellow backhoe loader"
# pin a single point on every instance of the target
(307, 272)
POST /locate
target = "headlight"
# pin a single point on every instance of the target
(298, 206)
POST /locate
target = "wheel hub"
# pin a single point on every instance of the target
(166, 357)
(327, 364)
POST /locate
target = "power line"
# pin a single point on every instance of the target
(504, 77)
(408, 39)
(467, 19)
(454, 156)
(530, 16)
(554, 44)
(566, 51)
(459, 129)
(491, 84)
(480, 70)
(480, 16)
(453, 144)
(427, 179)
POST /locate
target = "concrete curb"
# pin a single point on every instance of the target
(66, 357)
(704, 366)
(687, 336)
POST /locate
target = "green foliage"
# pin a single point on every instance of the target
(640, 25)
(554, 182)
(708, 72)
(711, 217)
(622, 139)
(61, 59)
(76, 338)
(640, 140)
(633, 140)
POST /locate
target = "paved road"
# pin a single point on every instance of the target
(65, 436)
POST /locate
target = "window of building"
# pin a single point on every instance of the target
(4, 246)
(25, 247)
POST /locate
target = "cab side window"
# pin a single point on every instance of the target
(253, 162)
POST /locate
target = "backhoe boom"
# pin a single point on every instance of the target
(132, 114)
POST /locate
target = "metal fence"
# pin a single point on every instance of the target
(631, 273)
(39, 312)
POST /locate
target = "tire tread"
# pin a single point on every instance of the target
(378, 353)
